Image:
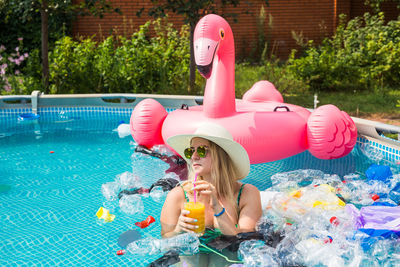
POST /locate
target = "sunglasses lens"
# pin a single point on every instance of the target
(201, 151)
(188, 153)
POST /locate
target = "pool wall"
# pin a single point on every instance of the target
(90, 106)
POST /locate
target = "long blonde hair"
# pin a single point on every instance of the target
(223, 172)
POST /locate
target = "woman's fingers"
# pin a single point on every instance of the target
(186, 223)
(203, 185)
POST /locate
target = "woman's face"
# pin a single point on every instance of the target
(201, 166)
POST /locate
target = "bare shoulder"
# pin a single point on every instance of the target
(251, 189)
(172, 205)
(250, 192)
(176, 194)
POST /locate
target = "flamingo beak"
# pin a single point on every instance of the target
(205, 71)
(204, 52)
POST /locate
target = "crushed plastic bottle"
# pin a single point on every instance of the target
(255, 253)
(301, 177)
(110, 190)
(185, 244)
(394, 193)
(131, 204)
(128, 180)
(163, 150)
(157, 194)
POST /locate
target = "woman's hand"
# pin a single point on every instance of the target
(205, 192)
(185, 223)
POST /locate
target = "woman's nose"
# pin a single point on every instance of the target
(195, 155)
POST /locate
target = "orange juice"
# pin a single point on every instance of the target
(197, 211)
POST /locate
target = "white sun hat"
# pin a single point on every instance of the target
(220, 136)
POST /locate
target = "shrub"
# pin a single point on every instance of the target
(273, 71)
(362, 55)
(127, 65)
(11, 79)
(22, 18)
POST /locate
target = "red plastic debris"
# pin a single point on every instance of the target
(328, 239)
(143, 224)
(375, 197)
(121, 252)
(51, 152)
(334, 221)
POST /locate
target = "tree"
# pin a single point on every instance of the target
(52, 11)
(192, 11)
(87, 7)
(376, 4)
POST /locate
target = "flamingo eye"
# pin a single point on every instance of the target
(222, 33)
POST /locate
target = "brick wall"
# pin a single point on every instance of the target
(314, 19)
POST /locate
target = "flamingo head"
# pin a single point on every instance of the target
(212, 36)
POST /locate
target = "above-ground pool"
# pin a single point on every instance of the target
(53, 168)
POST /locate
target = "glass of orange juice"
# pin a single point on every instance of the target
(197, 211)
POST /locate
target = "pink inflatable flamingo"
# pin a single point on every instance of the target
(265, 126)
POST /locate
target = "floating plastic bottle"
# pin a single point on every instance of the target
(185, 244)
(255, 253)
(128, 180)
(131, 204)
(394, 193)
(110, 190)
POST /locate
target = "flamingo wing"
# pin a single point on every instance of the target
(331, 133)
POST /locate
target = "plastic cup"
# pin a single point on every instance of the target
(197, 211)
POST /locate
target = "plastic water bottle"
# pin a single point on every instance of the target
(110, 190)
(394, 193)
(131, 204)
(256, 253)
(128, 180)
(185, 244)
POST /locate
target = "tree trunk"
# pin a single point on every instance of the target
(45, 45)
(192, 73)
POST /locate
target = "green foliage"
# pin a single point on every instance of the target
(376, 4)
(11, 64)
(132, 65)
(21, 18)
(273, 71)
(362, 55)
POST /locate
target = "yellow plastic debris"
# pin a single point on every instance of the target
(105, 214)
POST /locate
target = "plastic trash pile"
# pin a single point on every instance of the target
(329, 221)
(310, 218)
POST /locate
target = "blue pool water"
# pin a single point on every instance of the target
(51, 173)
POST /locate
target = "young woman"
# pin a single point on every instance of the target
(219, 162)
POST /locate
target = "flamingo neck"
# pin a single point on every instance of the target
(219, 94)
